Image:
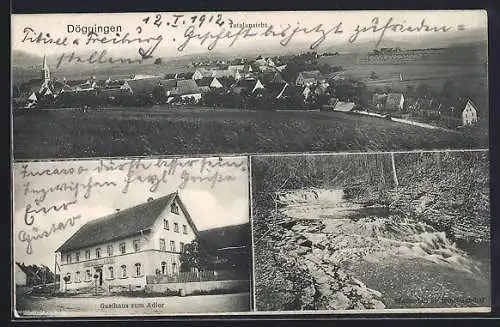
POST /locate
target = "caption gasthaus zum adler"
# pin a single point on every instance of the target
(126, 246)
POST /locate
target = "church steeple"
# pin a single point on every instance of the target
(45, 71)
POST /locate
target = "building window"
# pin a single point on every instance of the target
(163, 268)
(77, 256)
(98, 253)
(88, 276)
(184, 229)
(181, 247)
(137, 245)
(165, 224)
(68, 275)
(174, 268)
(87, 254)
(110, 250)
(176, 227)
(163, 247)
(111, 273)
(124, 271)
(172, 246)
(138, 269)
(174, 208)
(122, 248)
(78, 278)
(68, 258)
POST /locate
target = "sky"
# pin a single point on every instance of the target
(56, 26)
(226, 203)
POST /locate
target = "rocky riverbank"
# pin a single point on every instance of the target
(338, 255)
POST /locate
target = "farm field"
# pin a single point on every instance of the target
(465, 66)
(141, 131)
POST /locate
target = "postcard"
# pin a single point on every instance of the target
(372, 232)
(139, 84)
(131, 237)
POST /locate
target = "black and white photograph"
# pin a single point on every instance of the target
(140, 84)
(131, 237)
(372, 232)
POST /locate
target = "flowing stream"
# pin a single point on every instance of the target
(411, 263)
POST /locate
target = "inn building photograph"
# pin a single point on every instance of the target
(123, 248)
(184, 247)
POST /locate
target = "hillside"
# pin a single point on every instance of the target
(227, 236)
(143, 131)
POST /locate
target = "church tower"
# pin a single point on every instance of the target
(45, 71)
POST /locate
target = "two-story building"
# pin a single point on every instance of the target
(124, 247)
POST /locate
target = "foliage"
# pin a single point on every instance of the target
(197, 254)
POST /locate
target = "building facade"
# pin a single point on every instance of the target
(20, 276)
(125, 247)
(469, 114)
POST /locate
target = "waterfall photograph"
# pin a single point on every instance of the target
(372, 231)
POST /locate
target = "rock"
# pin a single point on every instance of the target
(300, 251)
(289, 224)
(307, 296)
(338, 301)
(315, 238)
(298, 228)
(316, 255)
(342, 276)
(357, 282)
(325, 290)
(306, 243)
(374, 304)
(321, 278)
(358, 306)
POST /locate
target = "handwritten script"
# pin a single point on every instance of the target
(210, 31)
(54, 190)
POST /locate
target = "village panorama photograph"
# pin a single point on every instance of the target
(397, 91)
(372, 232)
(93, 245)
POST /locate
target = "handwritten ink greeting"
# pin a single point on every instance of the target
(209, 31)
(54, 191)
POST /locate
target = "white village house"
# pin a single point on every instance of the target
(469, 114)
(126, 246)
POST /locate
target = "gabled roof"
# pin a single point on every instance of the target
(123, 223)
(312, 74)
(455, 107)
(170, 76)
(344, 106)
(34, 270)
(246, 83)
(276, 89)
(205, 81)
(168, 84)
(111, 84)
(222, 73)
(278, 78)
(142, 86)
(187, 86)
(393, 99)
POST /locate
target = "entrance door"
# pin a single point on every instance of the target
(99, 272)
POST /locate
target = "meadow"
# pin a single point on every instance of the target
(139, 131)
(466, 66)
